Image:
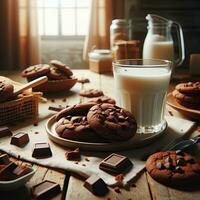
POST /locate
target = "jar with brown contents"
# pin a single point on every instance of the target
(126, 50)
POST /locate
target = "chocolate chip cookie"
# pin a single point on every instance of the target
(55, 74)
(62, 67)
(187, 100)
(174, 168)
(36, 71)
(189, 88)
(91, 93)
(112, 122)
(6, 91)
(77, 128)
(103, 99)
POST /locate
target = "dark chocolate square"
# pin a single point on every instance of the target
(20, 139)
(115, 164)
(96, 185)
(41, 150)
(21, 171)
(45, 190)
(6, 173)
(4, 131)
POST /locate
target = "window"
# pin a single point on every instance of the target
(63, 18)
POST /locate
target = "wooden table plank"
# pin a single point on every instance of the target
(138, 192)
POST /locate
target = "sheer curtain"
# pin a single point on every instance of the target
(19, 37)
(101, 14)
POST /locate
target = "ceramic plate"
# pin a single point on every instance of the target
(137, 141)
(187, 111)
(13, 184)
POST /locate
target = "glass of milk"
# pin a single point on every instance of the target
(141, 87)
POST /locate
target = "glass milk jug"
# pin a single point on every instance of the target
(159, 44)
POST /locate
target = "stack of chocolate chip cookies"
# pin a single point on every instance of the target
(188, 94)
(56, 70)
(92, 122)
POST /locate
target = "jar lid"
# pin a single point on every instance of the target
(121, 21)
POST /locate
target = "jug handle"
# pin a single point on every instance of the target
(181, 47)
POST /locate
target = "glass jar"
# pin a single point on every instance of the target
(120, 29)
(100, 60)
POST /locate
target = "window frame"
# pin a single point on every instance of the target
(60, 36)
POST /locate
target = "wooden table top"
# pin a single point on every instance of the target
(72, 186)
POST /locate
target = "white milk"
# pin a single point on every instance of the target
(156, 47)
(142, 91)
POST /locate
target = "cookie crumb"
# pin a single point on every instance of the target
(86, 159)
(35, 124)
(76, 162)
(64, 100)
(53, 100)
(36, 132)
(171, 113)
(84, 165)
(119, 178)
(117, 190)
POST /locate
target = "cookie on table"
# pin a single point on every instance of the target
(112, 122)
(174, 168)
(187, 100)
(103, 99)
(62, 67)
(6, 91)
(91, 93)
(189, 88)
(77, 128)
(36, 71)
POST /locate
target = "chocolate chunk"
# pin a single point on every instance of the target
(4, 131)
(96, 185)
(73, 155)
(115, 163)
(4, 159)
(21, 170)
(45, 190)
(159, 165)
(179, 170)
(41, 150)
(6, 173)
(20, 139)
(181, 162)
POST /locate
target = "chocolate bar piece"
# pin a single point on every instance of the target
(73, 155)
(6, 173)
(96, 185)
(21, 171)
(20, 139)
(45, 190)
(41, 150)
(4, 159)
(115, 164)
(4, 131)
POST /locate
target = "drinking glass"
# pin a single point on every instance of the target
(141, 87)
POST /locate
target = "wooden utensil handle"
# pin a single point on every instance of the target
(32, 84)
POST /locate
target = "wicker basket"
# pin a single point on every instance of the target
(21, 108)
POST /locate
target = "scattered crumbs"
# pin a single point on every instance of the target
(36, 132)
(117, 190)
(76, 162)
(18, 156)
(170, 112)
(64, 100)
(119, 178)
(35, 124)
(86, 159)
(52, 100)
(84, 165)
(133, 185)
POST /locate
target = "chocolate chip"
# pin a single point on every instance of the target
(179, 170)
(181, 162)
(179, 152)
